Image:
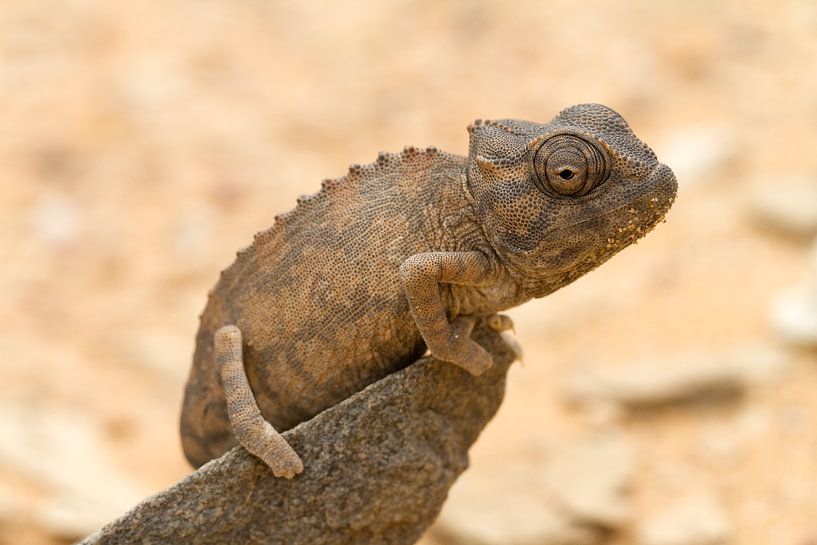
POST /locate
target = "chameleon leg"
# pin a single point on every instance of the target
(421, 275)
(253, 432)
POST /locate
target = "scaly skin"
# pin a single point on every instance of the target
(404, 254)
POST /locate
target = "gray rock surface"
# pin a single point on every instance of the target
(378, 467)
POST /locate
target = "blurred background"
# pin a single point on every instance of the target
(669, 398)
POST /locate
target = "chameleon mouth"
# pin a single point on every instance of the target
(646, 212)
(591, 241)
(664, 180)
(665, 188)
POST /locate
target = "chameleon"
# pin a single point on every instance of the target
(404, 255)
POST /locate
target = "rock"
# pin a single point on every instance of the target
(378, 467)
(791, 209)
(683, 380)
(725, 441)
(695, 520)
(591, 479)
(56, 220)
(508, 507)
(600, 414)
(794, 312)
(61, 451)
(575, 494)
(794, 315)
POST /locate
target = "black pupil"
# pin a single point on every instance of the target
(566, 174)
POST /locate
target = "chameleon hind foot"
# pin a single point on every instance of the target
(250, 428)
(500, 323)
(503, 325)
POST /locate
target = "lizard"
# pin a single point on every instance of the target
(403, 255)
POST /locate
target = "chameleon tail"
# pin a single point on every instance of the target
(253, 432)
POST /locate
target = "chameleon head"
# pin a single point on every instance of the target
(558, 199)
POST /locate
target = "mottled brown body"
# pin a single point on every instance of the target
(400, 254)
(324, 282)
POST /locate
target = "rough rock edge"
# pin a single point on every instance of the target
(378, 467)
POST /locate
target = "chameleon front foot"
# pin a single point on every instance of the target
(421, 275)
(250, 428)
(461, 350)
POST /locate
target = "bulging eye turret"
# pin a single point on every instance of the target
(569, 166)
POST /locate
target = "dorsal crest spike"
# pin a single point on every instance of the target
(354, 171)
(339, 191)
(505, 127)
(281, 218)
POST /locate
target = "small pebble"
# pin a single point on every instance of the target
(794, 312)
(681, 380)
(571, 495)
(791, 210)
(694, 520)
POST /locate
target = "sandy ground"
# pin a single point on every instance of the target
(143, 142)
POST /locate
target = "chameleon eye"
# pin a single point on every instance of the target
(569, 166)
(566, 171)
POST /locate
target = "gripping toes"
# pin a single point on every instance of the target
(500, 323)
(463, 351)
